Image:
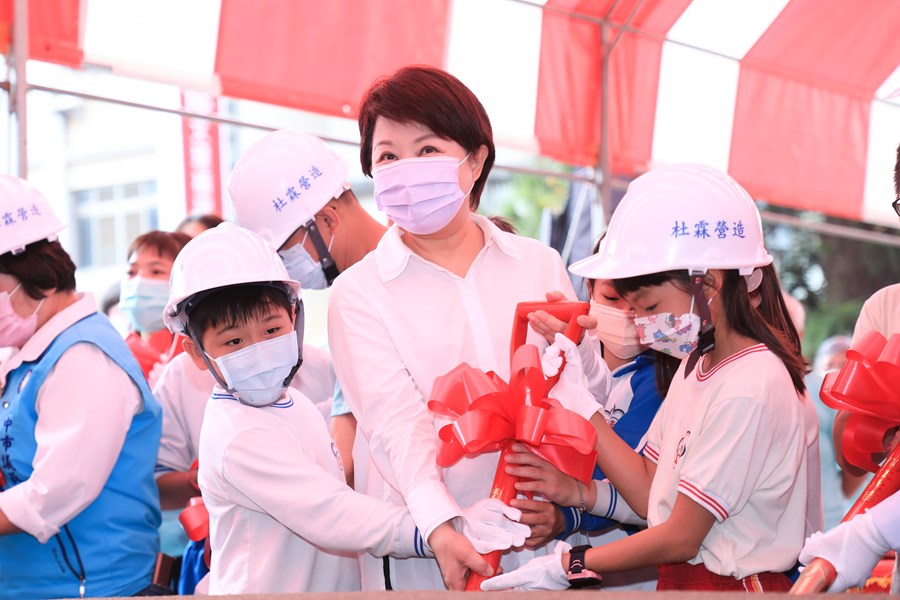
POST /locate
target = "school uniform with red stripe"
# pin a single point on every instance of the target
(738, 440)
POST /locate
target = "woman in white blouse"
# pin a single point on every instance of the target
(439, 290)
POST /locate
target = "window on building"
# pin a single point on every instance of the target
(110, 217)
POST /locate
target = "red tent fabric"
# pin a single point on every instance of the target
(802, 114)
(54, 30)
(322, 56)
(567, 124)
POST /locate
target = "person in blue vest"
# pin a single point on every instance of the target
(79, 428)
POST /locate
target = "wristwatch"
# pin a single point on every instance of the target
(580, 576)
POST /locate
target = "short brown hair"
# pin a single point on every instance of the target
(166, 244)
(435, 99)
(42, 266)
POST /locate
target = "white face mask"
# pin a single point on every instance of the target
(142, 301)
(666, 333)
(15, 330)
(256, 374)
(301, 267)
(617, 331)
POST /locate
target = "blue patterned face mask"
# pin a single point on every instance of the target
(673, 335)
(142, 301)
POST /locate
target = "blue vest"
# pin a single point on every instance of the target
(114, 540)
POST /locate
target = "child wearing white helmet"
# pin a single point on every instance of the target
(79, 427)
(291, 188)
(281, 517)
(727, 477)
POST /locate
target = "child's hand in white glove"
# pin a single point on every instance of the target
(541, 573)
(572, 390)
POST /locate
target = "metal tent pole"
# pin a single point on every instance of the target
(19, 104)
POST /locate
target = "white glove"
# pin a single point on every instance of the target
(595, 368)
(853, 547)
(572, 390)
(541, 573)
(492, 525)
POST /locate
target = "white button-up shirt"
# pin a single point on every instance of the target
(396, 322)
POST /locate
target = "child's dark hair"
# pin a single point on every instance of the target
(768, 322)
(235, 305)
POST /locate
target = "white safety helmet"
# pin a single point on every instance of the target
(222, 256)
(25, 216)
(281, 181)
(683, 216)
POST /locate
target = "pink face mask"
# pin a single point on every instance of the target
(15, 330)
(617, 331)
(421, 195)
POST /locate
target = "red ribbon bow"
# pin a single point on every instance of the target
(868, 387)
(489, 415)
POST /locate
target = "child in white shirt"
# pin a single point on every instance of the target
(281, 517)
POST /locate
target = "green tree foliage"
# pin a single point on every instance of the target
(831, 275)
(523, 197)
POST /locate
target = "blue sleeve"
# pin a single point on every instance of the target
(645, 403)
(339, 405)
(631, 427)
(578, 521)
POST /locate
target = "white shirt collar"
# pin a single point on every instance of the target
(49, 331)
(392, 255)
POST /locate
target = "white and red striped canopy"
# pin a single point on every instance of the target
(789, 96)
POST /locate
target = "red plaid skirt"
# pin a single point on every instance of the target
(682, 576)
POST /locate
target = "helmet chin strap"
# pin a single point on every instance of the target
(209, 366)
(299, 322)
(325, 258)
(707, 339)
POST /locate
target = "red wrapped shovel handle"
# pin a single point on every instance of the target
(820, 574)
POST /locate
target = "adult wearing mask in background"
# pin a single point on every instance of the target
(440, 289)
(291, 188)
(78, 508)
(143, 294)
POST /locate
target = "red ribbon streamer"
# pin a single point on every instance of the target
(490, 415)
(868, 387)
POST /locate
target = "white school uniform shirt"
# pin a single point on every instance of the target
(282, 520)
(738, 440)
(72, 464)
(395, 323)
(183, 389)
